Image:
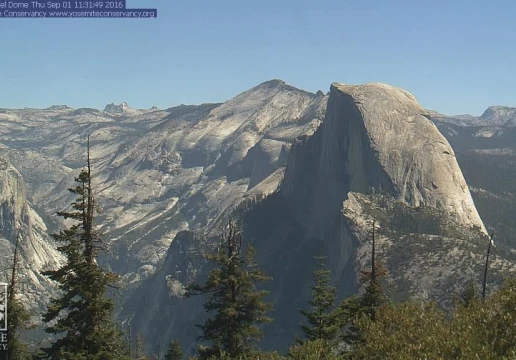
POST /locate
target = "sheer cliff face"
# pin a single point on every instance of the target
(37, 252)
(376, 136)
(12, 199)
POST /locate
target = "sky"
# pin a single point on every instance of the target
(454, 56)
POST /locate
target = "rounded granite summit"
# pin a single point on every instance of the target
(376, 135)
(380, 94)
(416, 156)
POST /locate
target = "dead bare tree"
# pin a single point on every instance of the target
(484, 284)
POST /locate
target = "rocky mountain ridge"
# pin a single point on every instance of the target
(493, 116)
(161, 171)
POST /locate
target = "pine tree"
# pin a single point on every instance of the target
(81, 319)
(322, 319)
(19, 318)
(174, 351)
(237, 305)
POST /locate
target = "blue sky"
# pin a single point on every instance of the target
(455, 56)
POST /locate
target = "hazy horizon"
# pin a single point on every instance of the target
(454, 57)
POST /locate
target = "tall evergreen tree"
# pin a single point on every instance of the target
(18, 318)
(174, 351)
(81, 319)
(237, 305)
(322, 319)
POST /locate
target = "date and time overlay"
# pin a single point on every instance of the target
(71, 9)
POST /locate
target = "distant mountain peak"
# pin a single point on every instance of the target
(499, 115)
(58, 107)
(112, 108)
(277, 84)
(272, 83)
(497, 110)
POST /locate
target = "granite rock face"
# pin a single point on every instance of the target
(376, 136)
(416, 157)
(37, 250)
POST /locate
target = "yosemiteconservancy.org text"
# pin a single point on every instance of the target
(71, 9)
